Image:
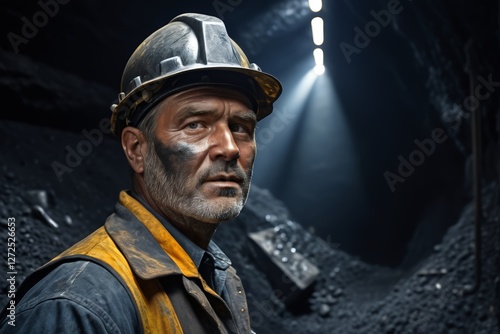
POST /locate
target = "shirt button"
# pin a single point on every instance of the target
(242, 310)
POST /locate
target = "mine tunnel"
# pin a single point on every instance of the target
(375, 184)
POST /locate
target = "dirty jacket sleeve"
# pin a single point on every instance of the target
(74, 299)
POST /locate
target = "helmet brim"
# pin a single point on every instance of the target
(261, 88)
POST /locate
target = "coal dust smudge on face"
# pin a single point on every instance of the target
(174, 183)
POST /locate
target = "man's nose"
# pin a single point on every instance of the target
(223, 145)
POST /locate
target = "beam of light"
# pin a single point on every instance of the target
(306, 153)
(275, 134)
(318, 30)
(315, 5)
(305, 148)
(319, 69)
(323, 163)
(319, 57)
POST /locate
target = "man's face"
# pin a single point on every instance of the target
(200, 163)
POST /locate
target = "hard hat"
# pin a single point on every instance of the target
(191, 50)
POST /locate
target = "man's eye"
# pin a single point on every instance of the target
(243, 129)
(193, 125)
(238, 128)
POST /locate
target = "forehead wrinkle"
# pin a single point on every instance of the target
(203, 92)
(194, 111)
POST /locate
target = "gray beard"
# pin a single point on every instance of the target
(168, 191)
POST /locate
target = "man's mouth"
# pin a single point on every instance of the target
(225, 178)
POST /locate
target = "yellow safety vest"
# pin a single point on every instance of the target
(140, 250)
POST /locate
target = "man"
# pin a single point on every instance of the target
(186, 118)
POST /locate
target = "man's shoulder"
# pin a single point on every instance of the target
(88, 290)
(79, 277)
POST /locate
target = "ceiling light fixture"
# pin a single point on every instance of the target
(318, 30)
(315, 5)
(319, 60)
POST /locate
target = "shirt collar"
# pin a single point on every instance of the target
(221, 261)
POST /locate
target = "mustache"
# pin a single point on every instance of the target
(225, 167)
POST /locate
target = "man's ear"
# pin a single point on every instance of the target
(135, 147)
